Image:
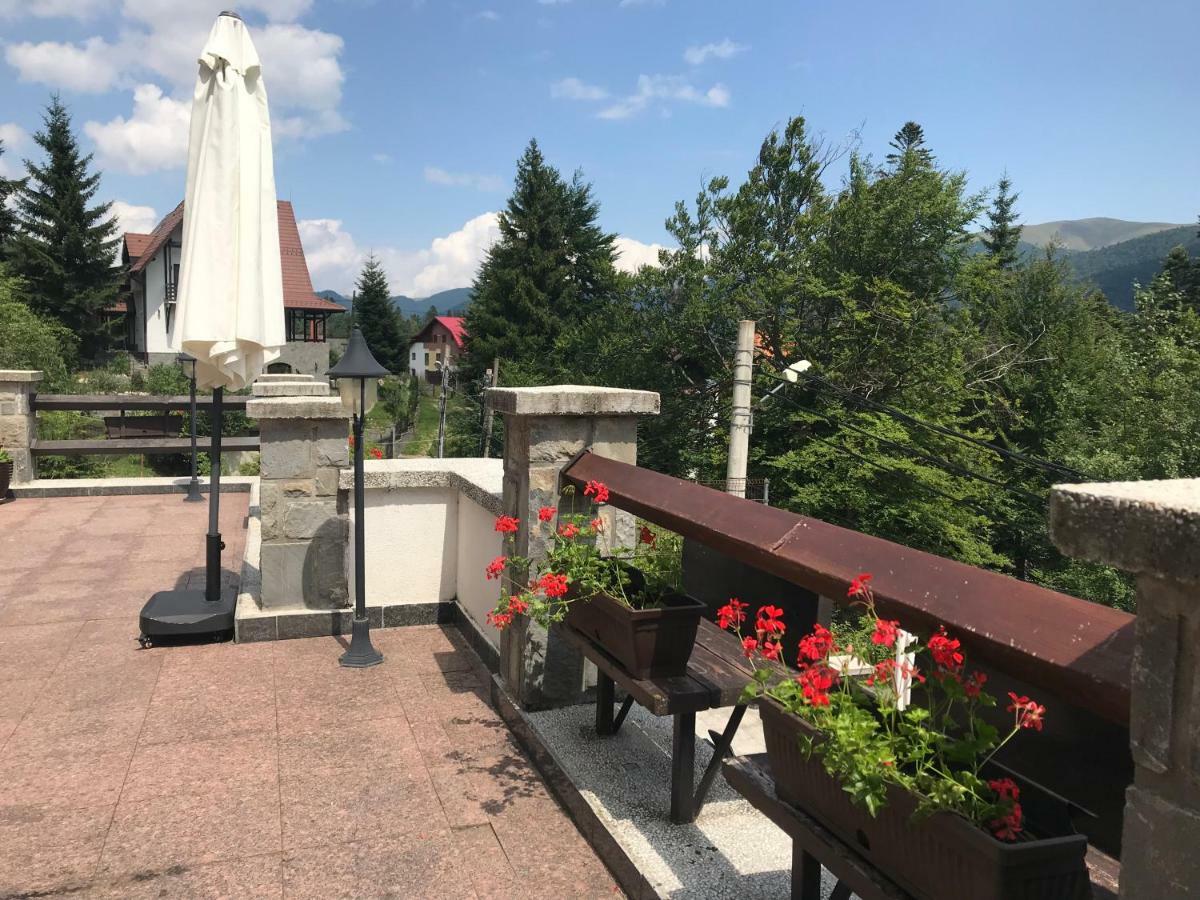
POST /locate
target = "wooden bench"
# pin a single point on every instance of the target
(716, 675)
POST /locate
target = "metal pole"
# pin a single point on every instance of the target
(193, 493)
(739, 417)
(214, 545)
(488, 412)
(361, 653)
(442, 412)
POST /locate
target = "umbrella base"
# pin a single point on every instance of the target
(186, 614)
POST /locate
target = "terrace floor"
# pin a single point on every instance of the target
(259, 770)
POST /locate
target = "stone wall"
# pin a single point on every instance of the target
(306, 357)
(18, 425)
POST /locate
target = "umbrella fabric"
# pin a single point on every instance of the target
(230, 301)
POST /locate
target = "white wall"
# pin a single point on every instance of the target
(412, 545)
(157, 340)
(478, 545)
(416, 359)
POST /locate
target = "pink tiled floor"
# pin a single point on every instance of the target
(261, 770)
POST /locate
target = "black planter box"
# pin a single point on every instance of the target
(941, 857)
(648, 643)
(6, 469)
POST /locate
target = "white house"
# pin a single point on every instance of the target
(147, 301)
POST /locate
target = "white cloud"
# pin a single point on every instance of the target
(154, 137)
(382, 158)
(52, 9)
(662, 90)
(632, 254)
(139, 219)
(487, 15)
(625, 4)
(434, 175)
(574, 89)
(93, 66)
(696, 56)
(14, 137)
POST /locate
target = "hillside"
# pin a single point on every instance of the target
(1090, 234)
(454, 300)
(1115, 268)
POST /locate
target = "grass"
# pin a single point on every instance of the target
(424, 438)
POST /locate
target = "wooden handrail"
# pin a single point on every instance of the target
(1078, 649)
(98, 402)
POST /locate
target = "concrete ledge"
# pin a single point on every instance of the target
(104, 487)
(269, 377)
(26, 375)
(253, 624)
(572, 400)
(1144, 527)
(296, 408)
(480, 480)
(483, 648)
(291, 389)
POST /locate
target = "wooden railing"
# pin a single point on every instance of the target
(127, 439)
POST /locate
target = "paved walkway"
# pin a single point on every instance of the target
(260, 770)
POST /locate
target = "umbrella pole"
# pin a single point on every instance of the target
(214, 546)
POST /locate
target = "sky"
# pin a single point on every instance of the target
(397, 124)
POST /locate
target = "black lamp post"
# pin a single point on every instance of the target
(357, 375)
(193, 492)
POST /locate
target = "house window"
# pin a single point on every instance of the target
(171, 294)
(305, 326)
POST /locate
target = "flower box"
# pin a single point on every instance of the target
(943, 856)
(6, 470)
(648, 643)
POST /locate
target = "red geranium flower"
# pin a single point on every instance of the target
(944, 650)
(815, 683)
(1029, 713)
(499, 619)
(749, 645)
(375, 453)
(732, 613)
(553, 585)
(770, 620)
(507, 524)
(496, 567)
(973, 686)
(1005, 788)
(546, 513)
(597, 524)
(517, 605)
(816, 645)
(647, 537)
(569, 530)
(885, 632)
(859, 585)
(772, 650)
(597, 490)
(1008, 827)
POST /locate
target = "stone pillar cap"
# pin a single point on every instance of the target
(290, 389)
(20, 375)
(572, 400)
(1144, 527)
(296, 408)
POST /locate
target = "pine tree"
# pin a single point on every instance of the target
(65, 244)
(909, 139)
(8, 220)
(1002, 236)
(551, 266)
(377, 317)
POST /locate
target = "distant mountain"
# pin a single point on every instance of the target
(1115, 268)
(1090, 234)
(453, 301)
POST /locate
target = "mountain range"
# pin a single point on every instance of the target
(455, 300)
(1112, 254)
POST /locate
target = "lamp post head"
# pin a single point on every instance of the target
(792, 373)
(358, 365)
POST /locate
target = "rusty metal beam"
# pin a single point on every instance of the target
(1080, 650)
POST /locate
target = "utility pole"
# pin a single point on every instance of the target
(442, 410)
(739, 416)
(486, 438)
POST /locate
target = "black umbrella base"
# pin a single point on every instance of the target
(183, 614)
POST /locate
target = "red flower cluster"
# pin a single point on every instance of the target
(597, 490)
(973, 685)
(885, 632)
(1029, 714)
(945, 650)
(496, 567)
(647, 537)
(816, 681)
(770, 620)
(1007, 827)
(517, 605)
(597, 524)
(507, 524)
(816, 645)
(499, 619)
(553, 585)
(546, 513)
(568, 531)
(859, 586)
(732, 614)
(375, 453)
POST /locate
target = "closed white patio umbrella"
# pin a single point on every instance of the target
(229, 315)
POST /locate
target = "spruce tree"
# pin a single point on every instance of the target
(552, 265)
(65, 243)
(378, 319)
(8, 220)
(1002, 236)
(909, 139)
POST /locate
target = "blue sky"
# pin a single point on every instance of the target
(398, 123)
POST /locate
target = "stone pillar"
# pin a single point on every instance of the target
(18, 425)
(544, 428)
(303, 437)
(1152, 529)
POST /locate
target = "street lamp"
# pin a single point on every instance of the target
(357, 375)
(193, 492)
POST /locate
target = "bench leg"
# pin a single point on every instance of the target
(683, 766)
(806, 875)
(622, 713)
(721, 746)
(604, 705)
(841, 891)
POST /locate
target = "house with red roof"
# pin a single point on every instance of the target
(147, 301)
(440, 341)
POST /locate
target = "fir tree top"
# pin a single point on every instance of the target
(1002, 236)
